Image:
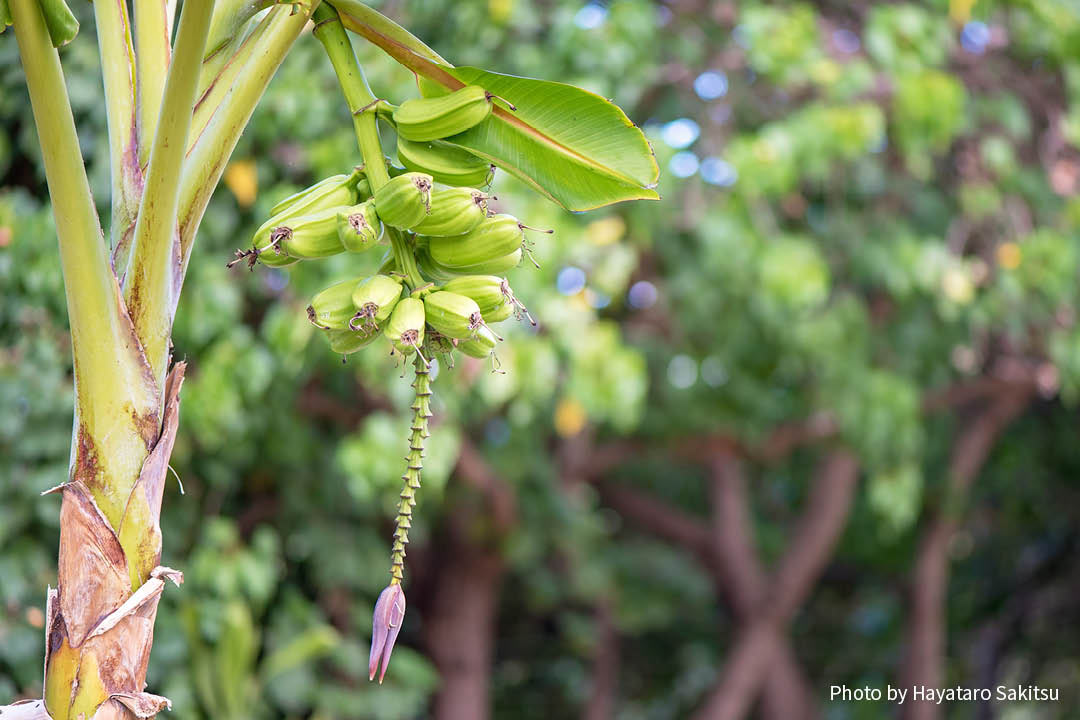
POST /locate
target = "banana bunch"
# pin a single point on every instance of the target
(457, 248)
(434, 319)
(446, 289)
(440, 286)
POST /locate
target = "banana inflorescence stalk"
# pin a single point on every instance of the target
(414, 461)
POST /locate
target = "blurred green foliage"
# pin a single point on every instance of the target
(860, 207)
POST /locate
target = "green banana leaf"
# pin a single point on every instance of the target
(573, 146)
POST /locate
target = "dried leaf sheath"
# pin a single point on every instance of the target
(101, 617)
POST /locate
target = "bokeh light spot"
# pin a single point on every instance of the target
(711, 84)
(717, 171)
(642, 295)
(682, 371)
(846, 41)
(974, 37)
(684, 164)
(570, 280)
(680, 133)
(713, 371)
(570, 417)
(591, 16)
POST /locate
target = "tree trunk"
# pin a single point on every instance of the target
(100, 617)
(809, 550)
(460, 630)
(605, 667)
(465, 575)
(924, 662)
(786, 694)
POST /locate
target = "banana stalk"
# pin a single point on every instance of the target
(100, 617)
(414, 463)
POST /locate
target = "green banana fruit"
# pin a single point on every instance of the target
(448, 164)
(334, 191)
(439, 272)
(439, 343)
(333, 308)
(405, 200)
(349, 341)
(311, 236)
(359, 228)
(454, 211)
(492, 294)
(489, 292)
(480, 345)
(373, 299)
(495, 265)
(495, 237)
(363, 190)
(428, 267)
(405, 330)
(270, 252)
(453, 315)
(424, 119)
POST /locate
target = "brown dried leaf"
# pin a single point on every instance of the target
(93, 579)
(121, 642)
(141, 705)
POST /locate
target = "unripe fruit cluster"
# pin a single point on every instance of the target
(448, 291)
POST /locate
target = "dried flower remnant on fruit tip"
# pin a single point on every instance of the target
(520, 311)
(386, 624)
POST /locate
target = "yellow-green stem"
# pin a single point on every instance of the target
(153, 279)
(406, 260)
(211, 97)
(116, 398)
(331, 33)
(118, 72)
(226, 34)
(153, 31)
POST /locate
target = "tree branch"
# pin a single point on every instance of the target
(605, 666)
(662, 520)
(819, 528)
(786, 438)
(474, 470)
(924, 662)
(786, 694)
(732, 535)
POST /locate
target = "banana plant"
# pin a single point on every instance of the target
(175, 111)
